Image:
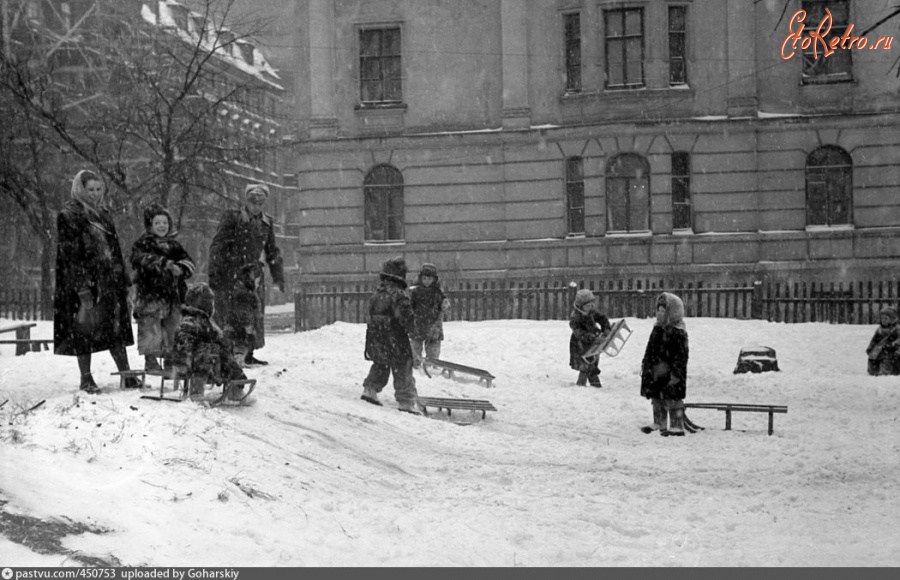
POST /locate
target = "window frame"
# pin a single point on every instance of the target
(622, 183)
(574, 181)
(681, 191)
(837, 28)
(572, 52)
(384, 76)
(622, 40)
(682, 57)
(829, 176)
(384, 203)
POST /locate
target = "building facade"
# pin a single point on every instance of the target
(510, 139)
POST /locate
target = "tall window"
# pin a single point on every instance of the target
(383, 189)
(628, 193)
(836, 66)
(624, 35)
(677, 45)
(829, 187)
(575, 194)
(681, 190)
(572, 33)
(379, 66)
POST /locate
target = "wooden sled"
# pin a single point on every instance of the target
(730, 408)
(610, 343)
(233, 392)
(463, 404)
(449, 368)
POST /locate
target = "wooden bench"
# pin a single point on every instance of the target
(464, 404)
(448, 368)
(23, 341)
(741, 407)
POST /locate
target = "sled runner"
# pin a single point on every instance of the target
(610, 343)
(233, 392)
(731, 407)
(449, 368)
(464, 404)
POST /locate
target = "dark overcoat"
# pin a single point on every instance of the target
(586, 328)
(390, 321)
(427, 303)
(89, 260)
(666, 357)
(243, 239)
(151, 256)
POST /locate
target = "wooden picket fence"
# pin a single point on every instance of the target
(851, 303)
(24, 304)
(472, 301)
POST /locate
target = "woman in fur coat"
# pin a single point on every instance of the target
(664, 367)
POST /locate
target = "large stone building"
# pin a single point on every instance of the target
(514, 139)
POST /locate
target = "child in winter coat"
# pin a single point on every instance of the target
(587, 326)
(429, 304)
(387, 339)
(240, 322)
(161, 267)
(882, 349)
(201, 346)
(664, 367)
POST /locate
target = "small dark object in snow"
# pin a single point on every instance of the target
(756, 359)
(132, 407)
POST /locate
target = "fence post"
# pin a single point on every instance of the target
(756, 304)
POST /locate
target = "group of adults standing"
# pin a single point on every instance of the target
(92, 306)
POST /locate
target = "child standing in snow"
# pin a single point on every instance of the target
(664, 367)
(882, 349)
(587, 326)
(201, 346)
(429, 304)
(387, 339)
(240, 321)
(161, 267)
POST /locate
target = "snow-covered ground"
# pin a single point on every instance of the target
(559, 476)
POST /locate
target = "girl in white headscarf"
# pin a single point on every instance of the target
(90, 308)
(664, 367)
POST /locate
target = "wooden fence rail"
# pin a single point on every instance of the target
(24, 304)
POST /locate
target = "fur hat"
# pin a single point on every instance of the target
(200, 296)
(582, 297)
(428, 270)
(394, 269)
(153, 210)
(890, 312)
(252, 188)
(674, 310)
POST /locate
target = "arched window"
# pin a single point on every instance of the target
(383, 190)
(575, 195)
(628, 193)
(829, 187)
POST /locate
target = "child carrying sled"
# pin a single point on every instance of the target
(201, 346)
(387, 339)
(587, 326)
(664, 367)
(429, 304)
(882, 350)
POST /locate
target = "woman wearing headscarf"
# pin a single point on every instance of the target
(664, 367)
(90, 308)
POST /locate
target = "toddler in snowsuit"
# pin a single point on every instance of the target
(387, 339)
(587, 326)
(664, 367)
(240, 321)
(161, 267)
(882, 349)
(429, 304)
(201, 346)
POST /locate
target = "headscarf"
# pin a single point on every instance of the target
(674, 310)
(80, 197)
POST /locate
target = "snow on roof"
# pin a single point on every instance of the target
(231, 51)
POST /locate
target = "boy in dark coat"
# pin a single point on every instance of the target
(587, 326)
(428, 304)
(161, 267)
(664, 367)
(200, 345)
(240, 323)
(387, 339)
(882, 349)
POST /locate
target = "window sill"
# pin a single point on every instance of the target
(640, 234)
(813, 81)
(832, 228)
(380, 106)
(384, 243)
(683, 232)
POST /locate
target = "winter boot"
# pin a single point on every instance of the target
(659, 417)
(88, 385)
(582, 379)
(370, 395)
(197, 387)
(676, 422)
(411, 407)
(252, 361)
(594, 378)
(151, 363)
